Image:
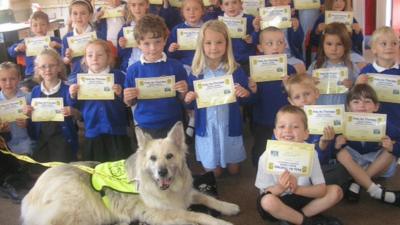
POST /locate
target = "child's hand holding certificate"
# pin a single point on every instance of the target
(251, 6)
(187, 38)
(35, 45)
(113, 12)
(331, 80)
(236, 26)
(156, 87)
(268, 67)
(47, 109)
(345, 17)
(95, 87)
(297, 158)
(369, 127)
(129, 36)
(307, 4)
(78, 43)
(214, 91)
(11, 110)
(278, 16)
(321, 116)
(387, 87)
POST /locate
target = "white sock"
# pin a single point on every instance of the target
(354, 187)
(375, 191)
(189, 129)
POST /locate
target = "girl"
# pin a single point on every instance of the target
(108, 28)
(335, 52)
(105, 121)
(56, 141)
(356, 35)
(218, 129)
(80, 12)
(136, 10)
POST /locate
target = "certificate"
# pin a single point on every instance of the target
(268, 67)
(214, 91)
(307, 4)
(187, 38)
(156, 87)
(11, 110)
(331, 80)
(251, 6)
(176, 3)
(47, 109)
(130, 37)
(236, 26)
(321, 116)
(156, 2)
(207, 3)
(387, 87)
(345, 17)
(297, 158)
(364, 126)
(113, 12)
(278, 16)
(95, 87)
(35, 45)
(78, 43)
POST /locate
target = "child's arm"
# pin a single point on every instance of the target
(283, 184)
(23, 123)
(312, 191)
(326, 138)
(17, 48)
(182, 88)
(387, 144)
(130, 96)
(73, 90)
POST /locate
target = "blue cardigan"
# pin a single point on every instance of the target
(242, 50)
(185, 56)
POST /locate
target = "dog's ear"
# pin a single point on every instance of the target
(176, 134)
(141, 137)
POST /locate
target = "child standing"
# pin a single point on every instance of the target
(39, 23)
(108, 28)
(20, 142)
(56, 141)
(334, 52)
(81, 12)
(155, 116)
(385, 47)
(286, 197)
(365, 160)
(136, 10)
(270, 96)
(105, 123)
(218, 129)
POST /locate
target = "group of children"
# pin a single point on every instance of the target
(276, 105)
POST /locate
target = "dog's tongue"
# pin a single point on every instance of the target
(164, 183)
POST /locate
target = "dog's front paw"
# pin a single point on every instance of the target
(230, 209)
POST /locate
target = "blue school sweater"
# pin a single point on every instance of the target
(102, 27)
(242, 50)
(391, 109)
(235, 122)
(270, 97)
(29, 60)
(212, 13)
(157, 113)
(104, 116)
(171, 15)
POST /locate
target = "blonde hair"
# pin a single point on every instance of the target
(299, 79)
(107, 48)
(129, 15)
(383, 31)
(185, 2)
(329, 5)
(200, 59)
(53, 54)
(4, 66)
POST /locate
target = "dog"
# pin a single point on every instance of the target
(64, 195)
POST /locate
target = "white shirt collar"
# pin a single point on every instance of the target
(105, 71)
(52, 90)
(199, 24)
(380, 69)
(238, 16)
(162, 59)
(87, 30)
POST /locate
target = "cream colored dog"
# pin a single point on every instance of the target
(63, 195)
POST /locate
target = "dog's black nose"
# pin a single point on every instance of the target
(163, 172)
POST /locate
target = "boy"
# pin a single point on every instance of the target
(39, 22)
(385, 47)
(364, 160)
(154, 116)
(286, 197)
(270, 96)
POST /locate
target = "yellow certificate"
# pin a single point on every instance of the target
(176, 3)
(130, 37)
(214, 91)
(47, 109)
(95, 87)
(35, 45)
(187, 38)
(321, 116)
(331, 80)
(268, 67)
(345, 17)
(156, 2)
(207, 3)
(297, 158)
(307, 4)
(236, 26)
(278, 16)
(364, 126)
(387, 87)
(113, 12)
(78, 43)
(11, 110)
(251, 6)
(156, 87)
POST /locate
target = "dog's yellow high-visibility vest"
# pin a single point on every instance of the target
(113, 175)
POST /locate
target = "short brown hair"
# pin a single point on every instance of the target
(150, 24)
(10, 66)
(86, 3)
(39, 15)
(329, 5)
(361, 91)
(293, 110)
(301, 79)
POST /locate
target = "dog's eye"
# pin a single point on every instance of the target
(153, 158)
(169, 156)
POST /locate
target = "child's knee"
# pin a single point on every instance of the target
(270, 203)
(334, 193)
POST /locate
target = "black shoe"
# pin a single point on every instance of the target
(9, 191)
(352, 196)
(321, 220)
(397, 197)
